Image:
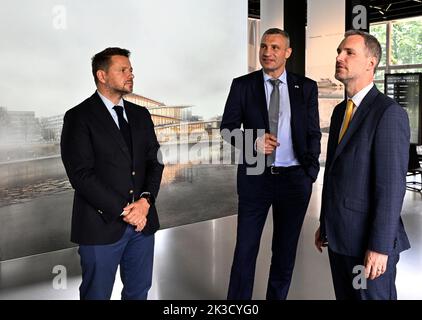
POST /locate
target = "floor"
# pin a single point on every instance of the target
(193, 262)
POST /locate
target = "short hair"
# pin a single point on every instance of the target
(280, 32)
(371, 43)
(101, 61)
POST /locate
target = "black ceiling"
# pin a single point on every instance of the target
(379, 10)
(253, 8)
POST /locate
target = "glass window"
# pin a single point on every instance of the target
(406, 41)
(379, 74)
(379, 31)
(380, 86)
(405, 47)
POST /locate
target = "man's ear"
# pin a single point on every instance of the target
(288, 53)
(372, 61)
(101, 74)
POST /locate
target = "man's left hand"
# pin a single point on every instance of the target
(375, 264)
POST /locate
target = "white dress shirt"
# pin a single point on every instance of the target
(110, 109)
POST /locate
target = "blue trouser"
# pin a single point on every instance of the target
(381, 288)
(289, 194)
(134, 252)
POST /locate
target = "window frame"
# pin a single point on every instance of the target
(388, 67)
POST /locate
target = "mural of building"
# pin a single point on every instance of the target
(18, 127)
(51, 127)
(175, 123)
(172, 124)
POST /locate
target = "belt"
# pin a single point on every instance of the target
(281, 170)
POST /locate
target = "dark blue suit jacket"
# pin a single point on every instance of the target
(246, 105)
(103, 173)
(365, 178)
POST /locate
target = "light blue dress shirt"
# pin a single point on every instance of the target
(285, 155)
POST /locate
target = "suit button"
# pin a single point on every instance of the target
(133, 173)
(130, 191)
(99, 211)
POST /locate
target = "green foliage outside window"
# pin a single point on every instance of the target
(406, 41)
(406, 45)
(380, 32)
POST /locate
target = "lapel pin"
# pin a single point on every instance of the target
(296, 86)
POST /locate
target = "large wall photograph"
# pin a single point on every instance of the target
(184, 55)
(322, 38)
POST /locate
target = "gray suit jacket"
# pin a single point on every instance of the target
(365, 179)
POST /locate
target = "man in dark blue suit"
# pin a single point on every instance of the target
(109, 150)
(278, 111)
(365, 178)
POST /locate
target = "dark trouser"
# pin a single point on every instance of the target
(289, 193)
(349, 285)
(134, 252)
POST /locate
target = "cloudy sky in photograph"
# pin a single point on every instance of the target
(184, 52)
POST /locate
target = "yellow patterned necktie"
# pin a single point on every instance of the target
(349, 111)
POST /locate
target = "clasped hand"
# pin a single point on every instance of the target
(136, 213)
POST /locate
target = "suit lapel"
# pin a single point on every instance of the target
(295, 98)
(335, 126)
(103, 116)
(357, 120)
(259, 93)
(135, 127)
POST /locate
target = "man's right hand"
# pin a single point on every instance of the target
(319, 243)
(267, 143)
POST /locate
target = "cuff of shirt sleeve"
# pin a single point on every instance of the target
(148, 195)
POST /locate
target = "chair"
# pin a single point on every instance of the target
(414, 170)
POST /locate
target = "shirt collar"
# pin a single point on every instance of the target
(358, 97)
(282, 77)
(108, 103)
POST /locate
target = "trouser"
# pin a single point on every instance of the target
(348, 285)
(134, 252)
(288, 192)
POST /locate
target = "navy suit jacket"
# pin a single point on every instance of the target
(247, 106)
(365, 178)
(103, 173)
